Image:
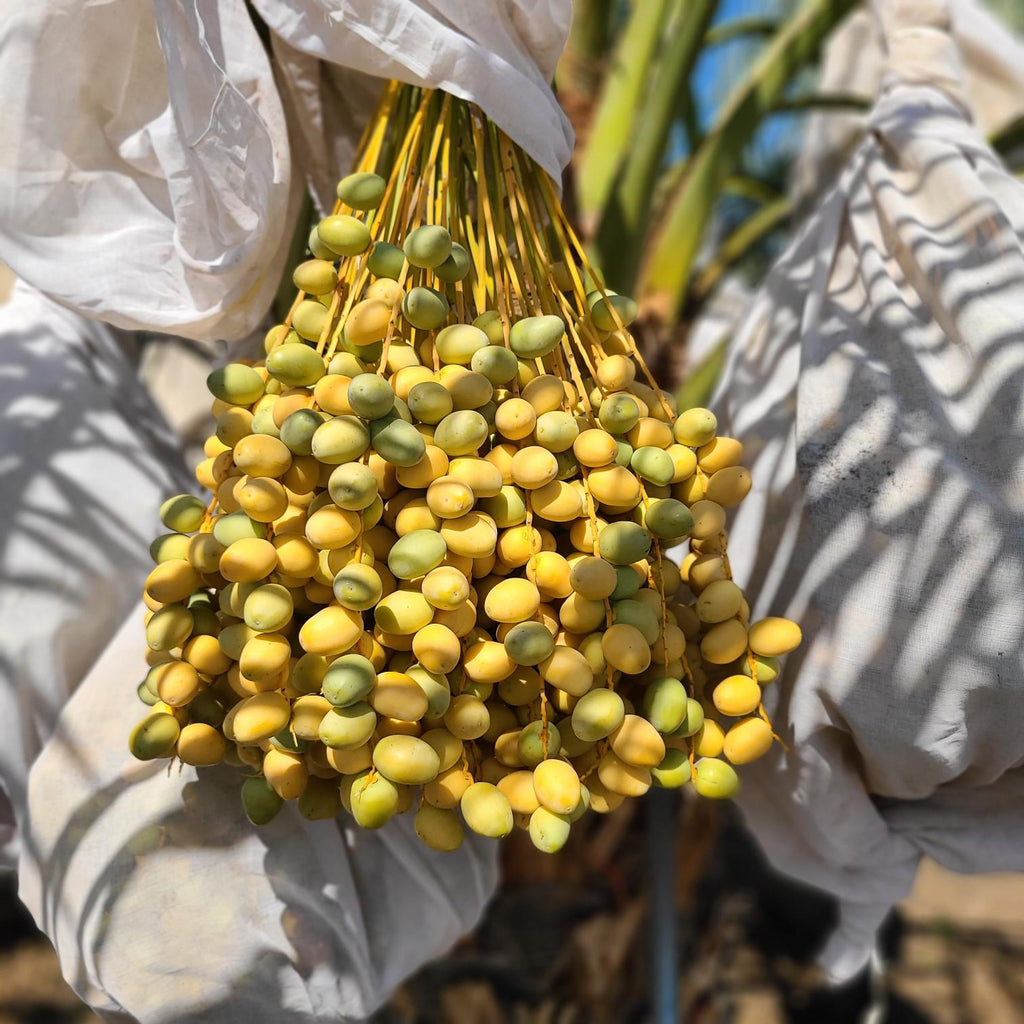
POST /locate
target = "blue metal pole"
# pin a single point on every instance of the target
(662, 807)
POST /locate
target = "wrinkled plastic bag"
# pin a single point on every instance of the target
(147, 176)
(162, 901)
(878, 388)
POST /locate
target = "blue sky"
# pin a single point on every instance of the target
(722, 66)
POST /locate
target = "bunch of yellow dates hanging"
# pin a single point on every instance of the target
(432, 577)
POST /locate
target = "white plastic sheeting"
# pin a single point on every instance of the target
(878, 387)
(147, 176)
(163, 902)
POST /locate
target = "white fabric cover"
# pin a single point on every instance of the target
(854, 60)
(84, 464)
(147, 176)
(150, 177)
(878, 388)
(500, 55)
(163, 902)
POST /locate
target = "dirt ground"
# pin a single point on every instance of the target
(567, 941)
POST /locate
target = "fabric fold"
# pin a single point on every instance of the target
(876, 386)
